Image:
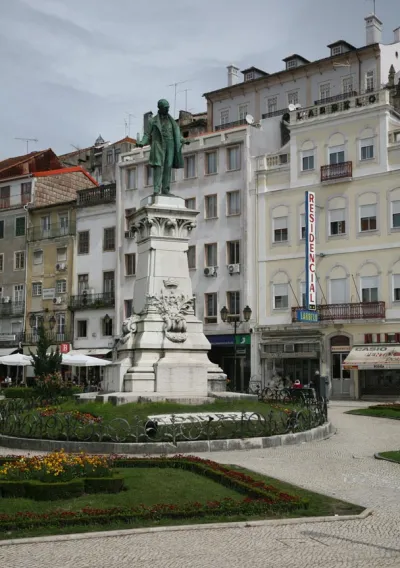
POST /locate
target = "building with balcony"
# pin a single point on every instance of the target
(51, 233)
(348, 155)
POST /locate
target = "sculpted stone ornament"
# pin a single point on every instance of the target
(166, 143)
(161, 227)
(129, 328)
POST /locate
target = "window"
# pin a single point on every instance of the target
(338, 290)
(19, 293)
(224, 116)
(211, 254)
(61, 287)
(45, 225)
(62, 254)
(109, 239)
(117, 153)
(347, 85)
(337, 222)
(190, 203)
(211, 207)
(307, 161)
(293, 98)
(20, 223)
(324, 91)
(107, 327)
(369, 288)
(110, 158)
(280, 229)
(26, 189)
(291, 64)
(83, 242)
(302, 226)
(233, 301)
(395, 214)
(336, 50)
(272, 104)
(281, 296)
(128, 308)
(233, 203)
(233, 252)
(367, 149)
(19, 260)
(131, 178)
(36, 288)
(189, 167)
(130, 265)
(368, 218)
(303, 294)
(191, 257)
(370, 81)
(249, 76)
(1, 262)
(63, 223)
(336, 155)
(38, 257)
(108, 282)
(243, 112)
(83, 283)
(1, 229)
(396, 287)
(4, 197)
(233, 158)
(211, 163)
(81, 328)
(149, 175)
(211, 307)
(60, 325)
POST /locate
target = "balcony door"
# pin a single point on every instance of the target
(83, 283)
(60, 326)
(108, 284)
(341, 379)
(63, 223)
(336, 155)
(338, 289)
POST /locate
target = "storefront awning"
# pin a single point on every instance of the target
(93, 352)
(367, 357)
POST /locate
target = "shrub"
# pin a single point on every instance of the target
(12, 489)
(19, 392)
(55, 490)
(113, 484)
(45, 363)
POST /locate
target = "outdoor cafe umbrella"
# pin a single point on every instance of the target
(16, 360)
(83, 361)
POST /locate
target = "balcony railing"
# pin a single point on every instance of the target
(227, 125)
(10, 339)
(11, 308)
(96, 195)
(50, 232)
(91, 301)
(337, 171)
(335, 98)
(31, 338)
(359, 311)
(273, 113)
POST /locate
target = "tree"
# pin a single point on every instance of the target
(45, 363)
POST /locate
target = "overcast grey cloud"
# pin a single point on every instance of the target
(71, 69)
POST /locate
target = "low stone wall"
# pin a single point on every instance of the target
(35, 445)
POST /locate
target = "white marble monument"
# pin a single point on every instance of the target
(163, 352)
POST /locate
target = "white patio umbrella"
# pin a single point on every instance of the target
(84, 361)
(16, 360)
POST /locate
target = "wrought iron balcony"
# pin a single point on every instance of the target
(335, 98)
(337, 171)
(10, 309)
(91, 301)
(96, 195)
(10, 339)
(50, 232)
(279, 112)
(230, 124)
(32, 337)
(359, 311)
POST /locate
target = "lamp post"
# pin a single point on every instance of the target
(225, 316)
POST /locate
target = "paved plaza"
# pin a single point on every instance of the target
(342, 466)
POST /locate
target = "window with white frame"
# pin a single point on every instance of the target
(211, 206)
(45, 225)
(81, 328)
(131, 178)
(38, 257)
(324, 91)
(280, 229)
(347, 85)
(272, 104)
(293, 98)
(1, 262)
(20, 223)
(36, 288)
(233, 203)
(243, 112)
(191, 255)
(61, 286)
(211, 254)
(233, 252)
(337, 222)
(367, 149)
(396, 287)
(307, 160)
(19, 260)
(211, 308)
(368, 217)
(225, 116)
(233, 304)
(211, 165)
(233, 158)
(370, 81)
(190, 203)
(249, 76)
(338, 290)
(291, 64)
(19, 293)
(130, 264)
(62, 254)
(83, 283)
(189, 170)
(369, 288)
(336, 50)
(395, 214)
(83, 242)
(336, 155)
(63, 223)
(302, 226)
(281, 296)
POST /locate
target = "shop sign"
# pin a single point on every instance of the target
(65, 348)
(340, 349)
(311, 277)
(373, 357)
(243, 339)
(48, 293)
(221, 339)
(307, 316)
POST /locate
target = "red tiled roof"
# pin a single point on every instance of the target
(28, 164)
(8, 162)
(66, 171)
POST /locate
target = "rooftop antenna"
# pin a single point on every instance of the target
(128, 123)
(27, 140)
(175, 85)
(186, 97)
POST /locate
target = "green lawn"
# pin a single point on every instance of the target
(379, 410)
(395, 456)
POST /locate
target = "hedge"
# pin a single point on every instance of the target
(113, 484)
(19, 392)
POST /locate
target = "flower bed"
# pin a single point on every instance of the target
(386, 410)
(82, 417)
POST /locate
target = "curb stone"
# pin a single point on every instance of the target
(180, 528)
(380, 457)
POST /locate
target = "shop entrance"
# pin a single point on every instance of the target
(302, 370)
(380, 382)
(341, 379)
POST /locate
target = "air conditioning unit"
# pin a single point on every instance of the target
(61, 266)
(234, 268)
(288, 348)
(210, 271)
(6, 300)
(57, 300)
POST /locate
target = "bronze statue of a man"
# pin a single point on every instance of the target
(166, 143)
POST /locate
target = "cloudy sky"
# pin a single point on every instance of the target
(72, 69)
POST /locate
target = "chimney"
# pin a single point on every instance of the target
(373, 29)
(233, 78)
(396, 35)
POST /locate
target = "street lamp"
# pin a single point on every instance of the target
(52, 322)
(236, 322)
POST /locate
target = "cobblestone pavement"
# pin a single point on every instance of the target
(342, 466)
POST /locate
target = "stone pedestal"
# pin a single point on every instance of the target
(163, 349)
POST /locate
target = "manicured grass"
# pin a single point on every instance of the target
(379, 411)
(395, 456)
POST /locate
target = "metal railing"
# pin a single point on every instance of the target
(273, 113)
(335, 98)
(50, 232)
(357, 311)
(336, 171)
(10, 339)
(32, 337)
(96, 195)
(11, 308)
(227, 125)
(91, 301)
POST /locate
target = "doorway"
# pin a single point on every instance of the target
(341, 379)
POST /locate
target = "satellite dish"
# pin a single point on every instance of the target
(292, 107)
(249, 119)
(297, 106)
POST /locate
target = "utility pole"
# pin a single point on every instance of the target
(175, 85)
(27, 140)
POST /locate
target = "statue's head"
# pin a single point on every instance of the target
(163, 106)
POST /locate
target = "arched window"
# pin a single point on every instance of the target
(338, 285)
(336, 149)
